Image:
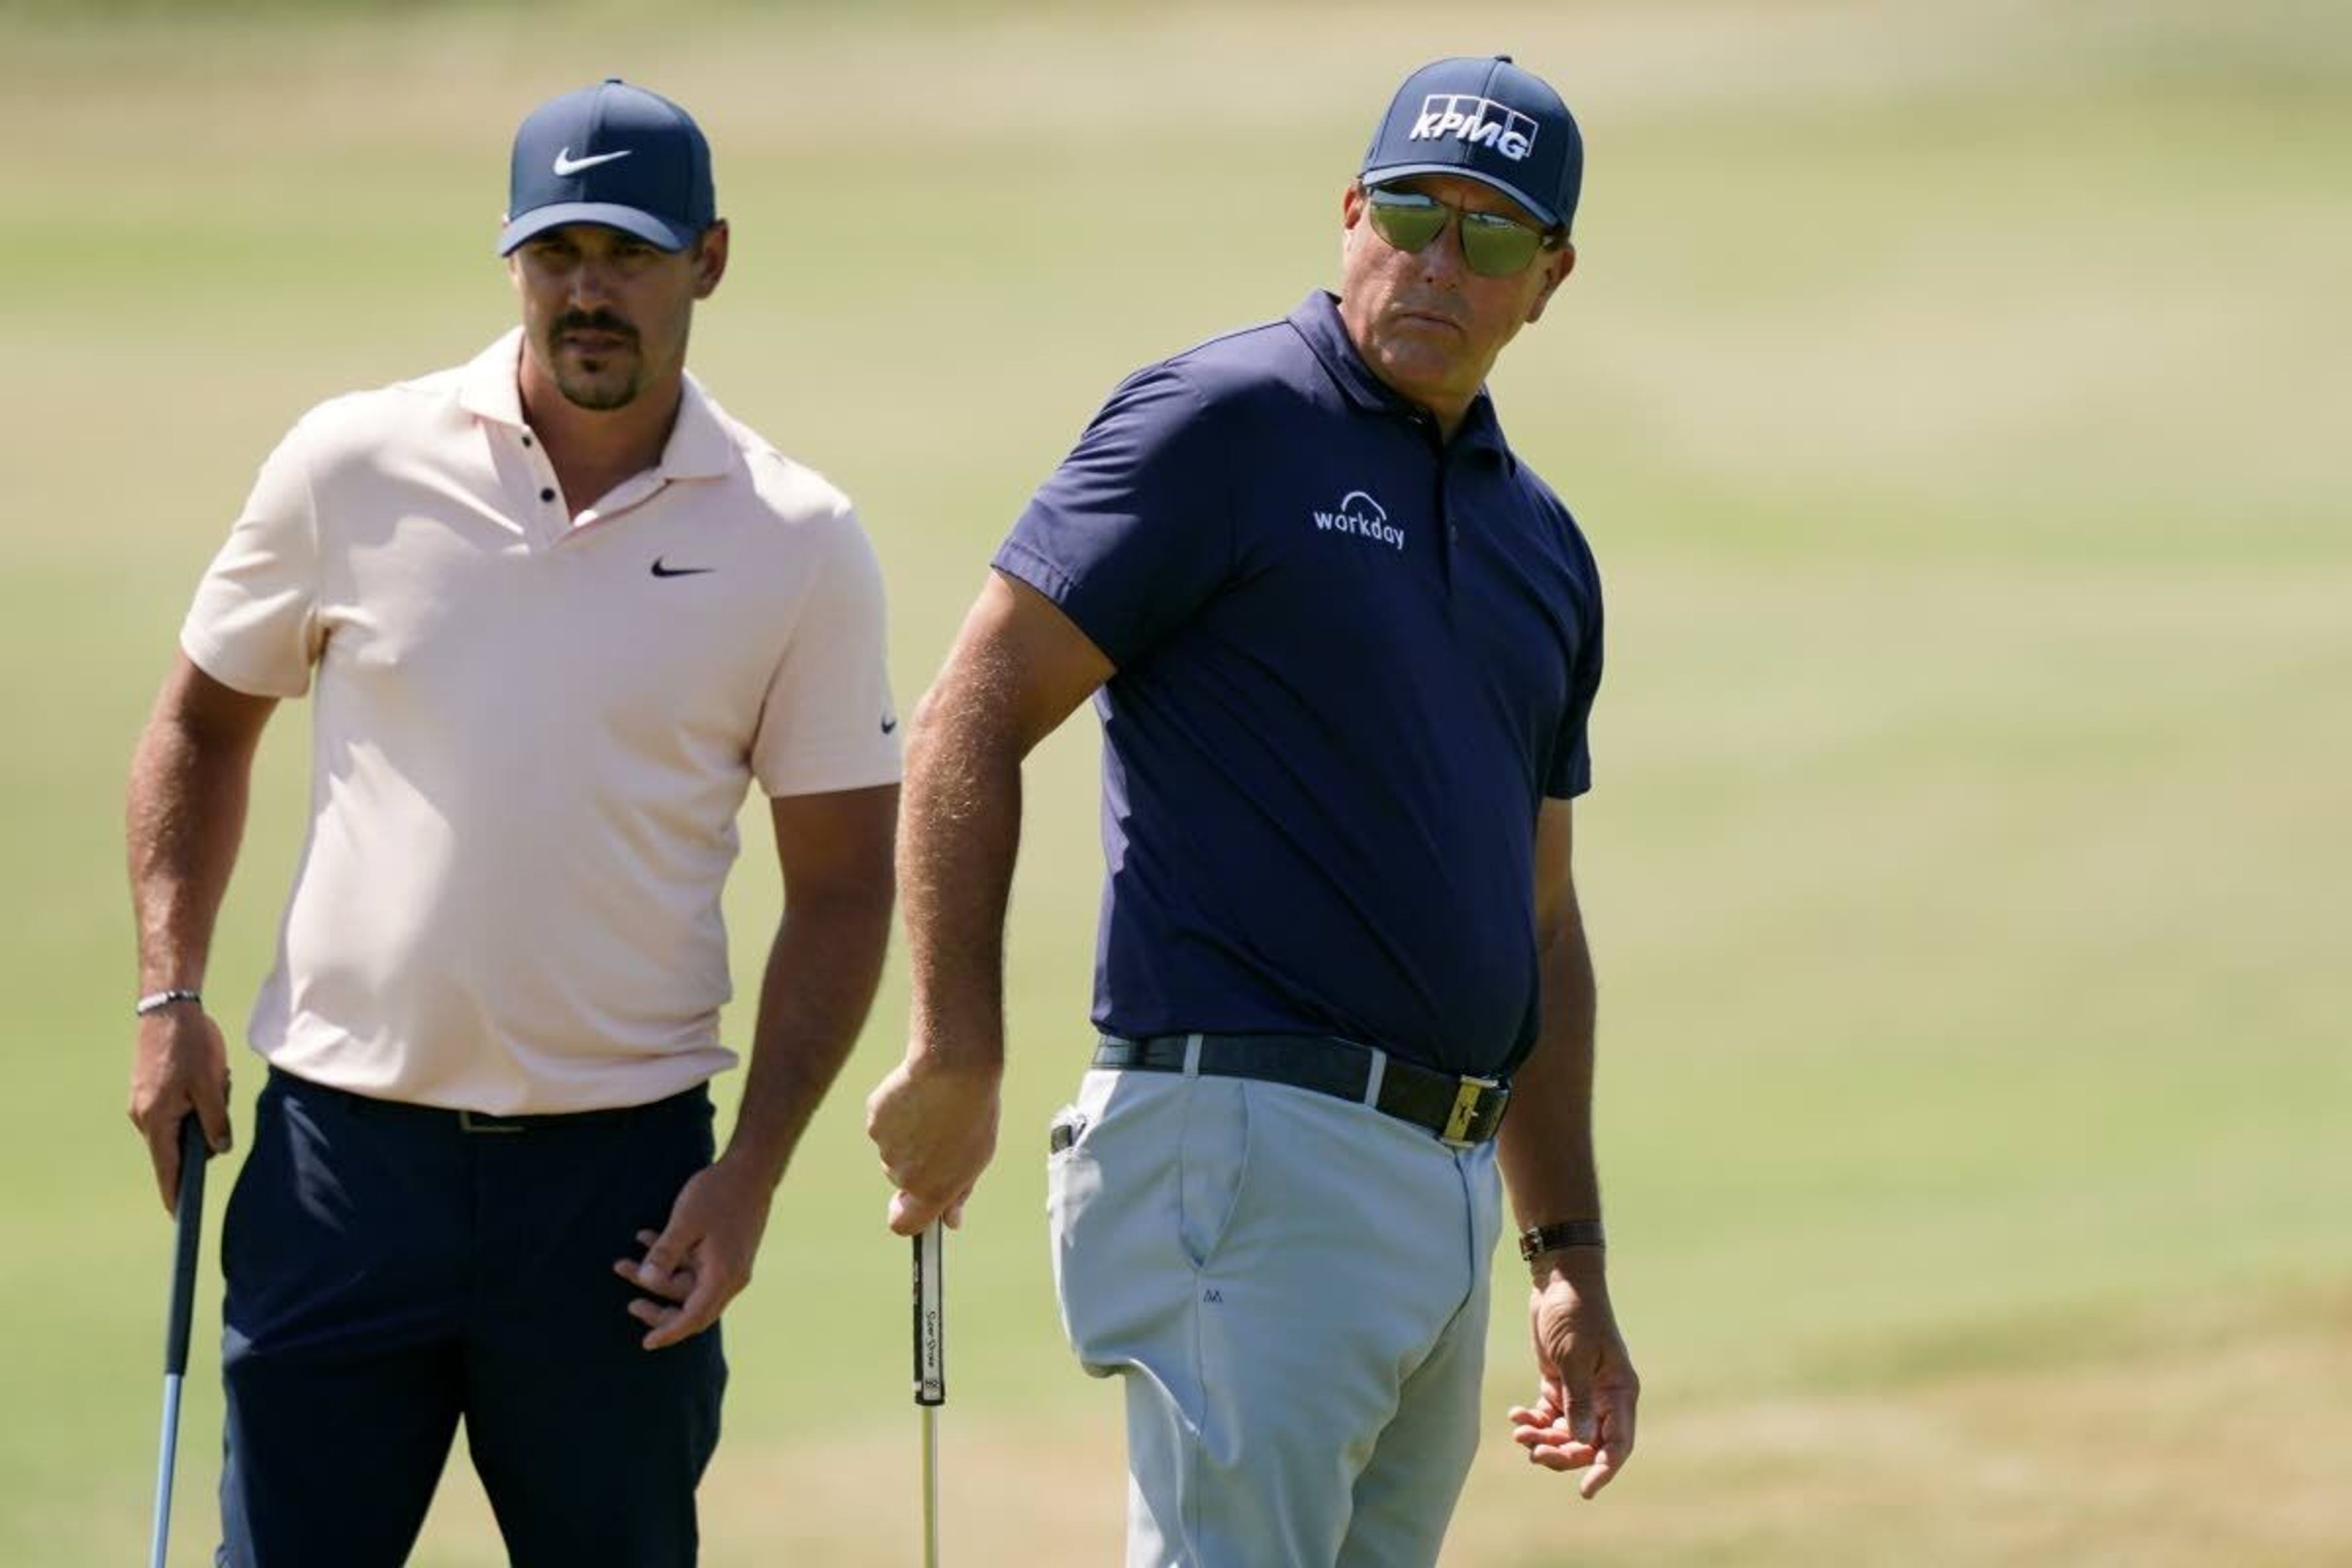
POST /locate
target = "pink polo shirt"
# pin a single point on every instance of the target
(533, 734)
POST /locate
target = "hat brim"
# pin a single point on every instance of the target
(635, 221)
(1541, 213)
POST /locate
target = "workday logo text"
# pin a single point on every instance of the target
(1363, 515)
(1481, 122)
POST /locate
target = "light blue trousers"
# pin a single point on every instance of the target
(1294, 1290)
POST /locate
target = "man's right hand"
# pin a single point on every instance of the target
(181, 1064)
(935, 1127)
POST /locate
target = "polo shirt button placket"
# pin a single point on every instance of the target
(555, 519)
(1447, 517)
(548, 494)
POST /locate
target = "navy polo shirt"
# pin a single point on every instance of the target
(1351, 663)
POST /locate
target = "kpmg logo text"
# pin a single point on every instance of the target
(1481, 122)
(1363, 515)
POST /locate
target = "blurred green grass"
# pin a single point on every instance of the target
(1954, 396)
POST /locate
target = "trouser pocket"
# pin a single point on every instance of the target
(1212, 1164)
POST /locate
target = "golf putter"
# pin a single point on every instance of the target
(187, 1224)
(931, 1374)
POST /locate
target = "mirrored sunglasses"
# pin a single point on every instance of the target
(1493, 244)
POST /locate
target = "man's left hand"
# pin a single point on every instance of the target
(1582, 1418)
(702, 1259)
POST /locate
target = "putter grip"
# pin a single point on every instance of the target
(188, 1224)
(930, 1319)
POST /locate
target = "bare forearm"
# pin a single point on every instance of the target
(184, 820)
(1018, 669)
(1546, 1148)
(959, 834)
(813, 999)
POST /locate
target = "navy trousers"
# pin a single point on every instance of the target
(391, 1270)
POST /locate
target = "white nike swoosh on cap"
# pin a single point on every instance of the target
(565, 163)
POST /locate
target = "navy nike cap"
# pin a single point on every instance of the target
(614, 154)
(1483, 117)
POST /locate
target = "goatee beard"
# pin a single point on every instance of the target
(582, 393)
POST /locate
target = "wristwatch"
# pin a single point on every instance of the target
(1536, 1240)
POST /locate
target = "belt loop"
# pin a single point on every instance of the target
(1191, 1056)
(1373, 1078)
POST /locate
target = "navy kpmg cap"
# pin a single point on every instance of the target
(614, 154)
(1483, 117)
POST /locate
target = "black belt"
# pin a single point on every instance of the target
(1460, 1111)
(475, 1121)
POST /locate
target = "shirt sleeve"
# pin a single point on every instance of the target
(1134, 530)
(1571, 759)
(828, 722)
(255, 623)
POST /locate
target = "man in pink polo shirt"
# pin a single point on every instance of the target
(560, 612)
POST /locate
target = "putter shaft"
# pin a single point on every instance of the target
(930, 1487)
(159, 1538)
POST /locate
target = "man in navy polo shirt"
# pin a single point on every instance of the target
(1343, 645)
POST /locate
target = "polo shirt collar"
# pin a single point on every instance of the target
(698, 446)
(1317, 322)
(486, 387)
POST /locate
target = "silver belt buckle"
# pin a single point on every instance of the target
(469, 1123)
(1465, 1106)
